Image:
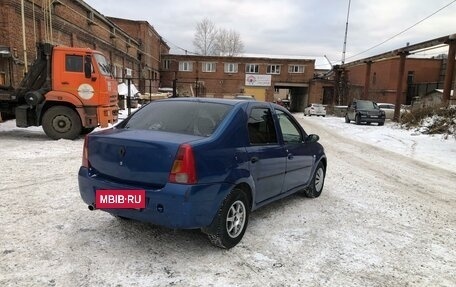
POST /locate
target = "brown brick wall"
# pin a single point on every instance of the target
(76, 24)
(151, 46)
(220, 84)
(384, 75)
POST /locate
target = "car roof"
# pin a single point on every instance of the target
(231, 102)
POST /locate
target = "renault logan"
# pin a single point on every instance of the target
(200, 163)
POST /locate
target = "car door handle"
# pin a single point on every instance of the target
(290, 156)
(65, 83)
(254, 159)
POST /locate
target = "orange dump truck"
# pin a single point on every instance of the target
(68, 91)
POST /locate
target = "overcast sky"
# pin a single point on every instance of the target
(294, 27)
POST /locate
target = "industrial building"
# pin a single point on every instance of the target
(137, 51)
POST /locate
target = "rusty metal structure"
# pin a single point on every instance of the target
(401, 53)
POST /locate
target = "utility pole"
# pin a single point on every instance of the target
(346, 32)
(344, 78)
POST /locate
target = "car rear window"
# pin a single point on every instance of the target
(184, 117)
(367, 105)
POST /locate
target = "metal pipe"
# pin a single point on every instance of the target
(397, 108)
(23, 36)
(449, 74)
(365, 95)
(50, 22)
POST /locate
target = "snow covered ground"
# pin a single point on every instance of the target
(435, 150)
(386, 217)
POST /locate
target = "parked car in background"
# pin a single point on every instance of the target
(200, 163)
(315, 110)
(245, 97)
(388, 109)
(362, 111)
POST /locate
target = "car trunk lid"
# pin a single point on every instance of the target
(134, 157)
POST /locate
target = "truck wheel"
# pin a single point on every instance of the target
(231, 220)
(61, 122)
(347, 120)
(6, 116)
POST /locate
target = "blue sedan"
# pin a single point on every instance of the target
(200, 163)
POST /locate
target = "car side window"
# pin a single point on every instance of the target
(290, 133)
(261, 127)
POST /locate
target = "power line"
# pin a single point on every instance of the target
(183, 49)
(403, 31)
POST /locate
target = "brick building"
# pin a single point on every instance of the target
(74, 23)
(419, 73)
(151, 47)
(224, 77)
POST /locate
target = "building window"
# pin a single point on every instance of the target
(120, 74)
(252, 68)
(231, 67)
(73, 63)
(2, 78)
(296, 69)
(185, 66)
(209, 67)
(410, 77)
(166, 64)
(273, 69)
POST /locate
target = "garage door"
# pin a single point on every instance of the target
(259, 93)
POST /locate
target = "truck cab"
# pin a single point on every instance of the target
(69, 91)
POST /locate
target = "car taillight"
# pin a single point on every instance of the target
(183, 170)
(85, 153)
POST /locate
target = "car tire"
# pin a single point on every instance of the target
(357, 120)
(381, 123)
(318, 180)
(347, 120)
(231, 220)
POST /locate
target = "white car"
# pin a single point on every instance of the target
(315, 110)
(388, 109)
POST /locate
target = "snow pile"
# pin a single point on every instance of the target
(431, 121)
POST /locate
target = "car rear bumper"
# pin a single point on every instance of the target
(315, 113)
(173, 206)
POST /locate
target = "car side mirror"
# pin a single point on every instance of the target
(313, 138)
(88, 67)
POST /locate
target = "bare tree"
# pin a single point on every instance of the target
(212, 41)
(228, 43)
(205, 37)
